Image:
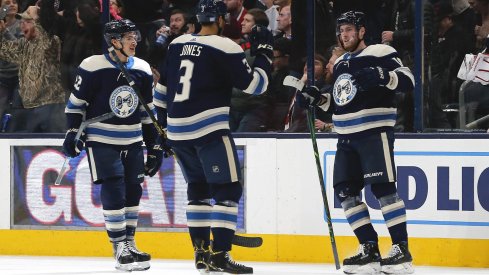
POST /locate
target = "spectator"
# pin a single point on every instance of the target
(165, 35)
(297, 117)
(37, 55)
(272, 13)
(9, 72)
(249, 113)
(116, 9)
(236, 15)
(447, 54)
(481, 7)
(284, 23)
(280, 95)
(83, 39)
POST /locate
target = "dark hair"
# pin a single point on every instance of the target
(259, 16)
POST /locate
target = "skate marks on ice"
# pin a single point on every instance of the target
(31, 265)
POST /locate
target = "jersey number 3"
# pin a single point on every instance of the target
(185, 80)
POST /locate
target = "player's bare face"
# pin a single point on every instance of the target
(349, 37)
(129, 43)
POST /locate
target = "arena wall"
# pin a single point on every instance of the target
(444, 180)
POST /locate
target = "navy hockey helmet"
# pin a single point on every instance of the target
(210, 10)
(356, 18)
(116, 29)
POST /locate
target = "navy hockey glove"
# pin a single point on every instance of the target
(72, 147)
(312, 95)
(371, 77)
(154, 160)
(261, 41)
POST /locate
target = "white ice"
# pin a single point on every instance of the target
(35, 265)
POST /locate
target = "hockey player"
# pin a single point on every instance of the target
(366, 79)
(114, 146)
(192, 98)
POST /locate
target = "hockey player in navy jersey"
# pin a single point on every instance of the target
(366, 80)
(114, 146)
(193, 98)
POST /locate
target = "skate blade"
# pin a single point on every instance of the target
(141, 266)
(124, 267)
(203, 271)
(371, 268)
(404, 268)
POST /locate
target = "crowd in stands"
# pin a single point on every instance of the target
(43, 42)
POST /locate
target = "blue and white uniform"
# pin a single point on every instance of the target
(193, 99)
(101, 88)
(358, 111)
(195, 88)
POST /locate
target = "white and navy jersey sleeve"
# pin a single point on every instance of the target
(195, 86)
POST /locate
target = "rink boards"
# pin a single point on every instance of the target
(443, 179)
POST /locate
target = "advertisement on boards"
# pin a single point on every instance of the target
(75, 203)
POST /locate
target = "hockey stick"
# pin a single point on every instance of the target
(82, 127)
(477, 123)
(245, 241)
(310, 121)
(167, 150)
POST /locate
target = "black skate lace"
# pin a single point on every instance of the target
(231, 261)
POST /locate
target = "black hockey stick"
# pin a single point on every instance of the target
(245, 241)
(82, 127)
(167, 150)
(310, 121)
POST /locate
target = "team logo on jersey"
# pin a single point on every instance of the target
(343, 90)
(123, 101)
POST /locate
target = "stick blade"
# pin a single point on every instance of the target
(244, 241)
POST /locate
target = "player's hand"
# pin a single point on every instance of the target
(72, 147)
(261, 41)
(371, 77)
(154, 160)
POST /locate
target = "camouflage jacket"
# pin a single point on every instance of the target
(39, 68)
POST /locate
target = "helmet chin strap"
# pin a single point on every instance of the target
(121, 49)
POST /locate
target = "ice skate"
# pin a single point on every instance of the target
(366, 261)
(141, 259)
(123, 258)
(201, 256)
(398, 261)
(221, 262)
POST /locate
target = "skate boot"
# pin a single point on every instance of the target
(141, 259)
(367, 261)
(221, 261)
(201, 256)
(398, 261)
(123, 258)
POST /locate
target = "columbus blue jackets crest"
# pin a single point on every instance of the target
(123, 101)
(344, 91)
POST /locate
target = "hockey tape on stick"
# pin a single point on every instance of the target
(293, 82)
(82, 127)
(251, 242)
(166, 149)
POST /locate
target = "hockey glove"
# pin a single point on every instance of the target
(154, 160)
(371, 77)
(312, 95)
(72, 147)
(261, 41)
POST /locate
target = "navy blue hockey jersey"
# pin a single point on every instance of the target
(196, 85)
(356, 110)
(101, 88)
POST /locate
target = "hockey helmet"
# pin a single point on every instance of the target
(210, 10)
(356, 18)
(116, 29)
